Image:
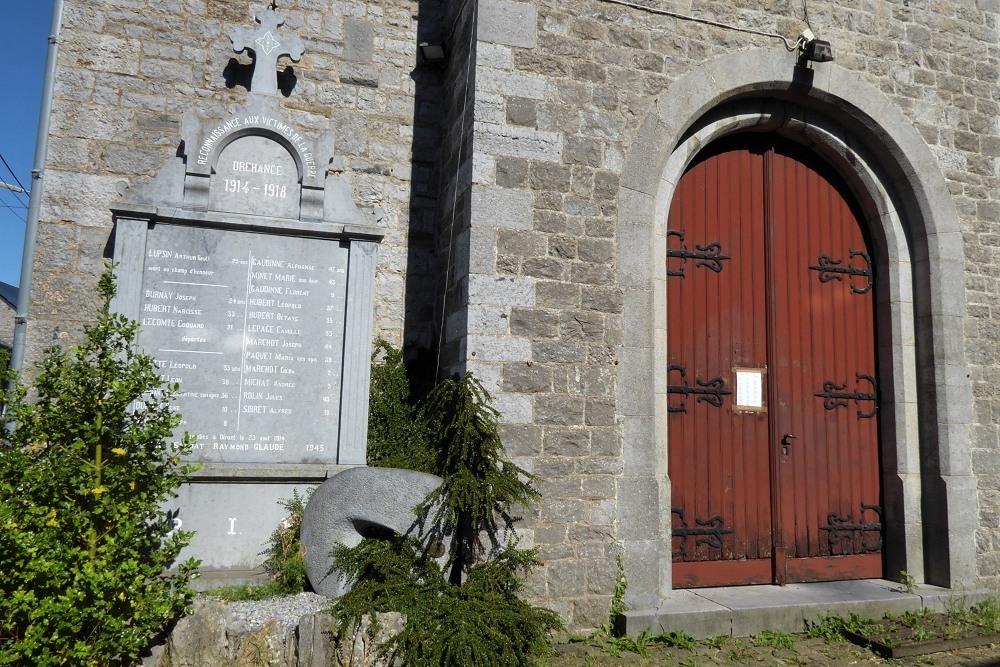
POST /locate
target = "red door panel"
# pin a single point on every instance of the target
(823, 371)
(768, 269)
(716, 287)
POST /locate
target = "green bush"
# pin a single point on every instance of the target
(4, 363)
(469, 613)
(84, 471)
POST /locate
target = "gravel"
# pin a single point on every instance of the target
(284, 611)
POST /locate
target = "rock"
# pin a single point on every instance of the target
(200, 638)
(356, 503)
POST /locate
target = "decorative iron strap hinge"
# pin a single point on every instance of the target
(834, 396)
(831, 269)
(708, 391)
(709, 533)
(709, 256)
(841, 529)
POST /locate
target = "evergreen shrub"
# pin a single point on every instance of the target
(468, 613)
(85, 467)
(395, 437)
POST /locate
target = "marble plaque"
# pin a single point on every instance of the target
(256, 175)
(252, 327)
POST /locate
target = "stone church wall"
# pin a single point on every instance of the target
(556, 116)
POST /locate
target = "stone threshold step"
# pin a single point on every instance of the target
(746, 610)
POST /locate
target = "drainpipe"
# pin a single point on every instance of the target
(35, 202)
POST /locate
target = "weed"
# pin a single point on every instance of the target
(861, 626)
(616, 646)
(739, 655)
(830, 628)
(676, 639)
(689, 662)
(912, 619)
(908, 581)
(604, 637)
(987, 614)
(248, 592)
(618, 606)
(922, 634)
(773, 639)
(286, 557)
(716, 642)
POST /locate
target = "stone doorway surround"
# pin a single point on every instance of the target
(930, 501)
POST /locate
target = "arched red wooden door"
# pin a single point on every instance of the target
(772, 389)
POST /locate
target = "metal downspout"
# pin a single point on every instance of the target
(37, 181)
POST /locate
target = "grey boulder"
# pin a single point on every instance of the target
(356, 503)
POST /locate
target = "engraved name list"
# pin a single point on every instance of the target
(252, 328)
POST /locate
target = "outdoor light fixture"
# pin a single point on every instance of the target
(816, 50)
(432, 52)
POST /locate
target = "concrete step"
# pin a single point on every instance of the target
(746, 610)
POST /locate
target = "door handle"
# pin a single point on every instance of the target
(786, 442)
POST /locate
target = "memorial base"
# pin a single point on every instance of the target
(232, 523)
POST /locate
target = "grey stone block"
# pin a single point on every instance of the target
(635, 256)
(514, 408)
(498, 207)
(683, 611)
(567, 441)
(499, 348)
(358, 40)
(510, 23)
(640, 496)
(501, 291)
(518, 142)
(503, 82)
(641, 562)
(356, 503)
(635, 390)
(231, 521)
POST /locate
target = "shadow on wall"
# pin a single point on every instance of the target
(430, 165)
(8, 308)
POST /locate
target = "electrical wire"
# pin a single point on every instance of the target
(791, 46)
(14, 211)
(16, 179)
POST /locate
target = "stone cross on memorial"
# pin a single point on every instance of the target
(267, 49)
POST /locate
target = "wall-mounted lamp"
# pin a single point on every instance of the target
(816, 50)
(432, 53)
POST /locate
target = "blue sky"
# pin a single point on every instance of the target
(24, 34)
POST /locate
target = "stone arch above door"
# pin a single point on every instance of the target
(863, 135)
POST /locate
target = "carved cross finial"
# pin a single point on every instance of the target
(265, 44)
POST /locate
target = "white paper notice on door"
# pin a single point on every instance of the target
(749, 389)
